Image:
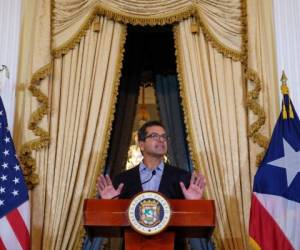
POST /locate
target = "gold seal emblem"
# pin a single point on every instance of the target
(149, 213)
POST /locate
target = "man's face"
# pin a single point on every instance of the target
(155, 144)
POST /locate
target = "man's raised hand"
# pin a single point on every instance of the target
(196, 188)
(106, 189)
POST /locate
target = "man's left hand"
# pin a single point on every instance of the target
(196, 188)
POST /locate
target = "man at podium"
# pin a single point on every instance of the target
(152, 174)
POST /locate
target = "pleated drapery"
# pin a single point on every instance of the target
(214, 91)
(82, 93)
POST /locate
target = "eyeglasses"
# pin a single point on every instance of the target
(157, 137)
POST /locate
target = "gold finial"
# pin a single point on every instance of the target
(283, 77)
(285, 91)
(284, 87)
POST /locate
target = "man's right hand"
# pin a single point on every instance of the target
(106, 189)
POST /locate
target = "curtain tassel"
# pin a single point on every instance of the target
(194, 27)
(284, 114)
(291, 113)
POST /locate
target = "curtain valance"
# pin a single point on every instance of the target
(221, 20)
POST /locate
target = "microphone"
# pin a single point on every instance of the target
(153, 173)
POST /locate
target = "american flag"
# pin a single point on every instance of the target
(14, 200)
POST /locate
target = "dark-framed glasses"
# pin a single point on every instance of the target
(157, 137)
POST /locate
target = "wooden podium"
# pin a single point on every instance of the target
(108, 218)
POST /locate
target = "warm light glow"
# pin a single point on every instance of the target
(135, 157)
(143, 113)
(134, 153)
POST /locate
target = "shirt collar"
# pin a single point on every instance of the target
(143, 167)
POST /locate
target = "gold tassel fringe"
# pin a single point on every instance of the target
(192, 10)
(27, 161)
(100, 9)
(253, 105)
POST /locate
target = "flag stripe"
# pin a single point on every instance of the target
(24, 212)
(288, 222)
(8, 236)
(19, 227)
(264, 230)
(2, 247)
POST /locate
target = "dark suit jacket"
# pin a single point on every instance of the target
(169, 185)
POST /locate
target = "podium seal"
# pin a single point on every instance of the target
(149, 213)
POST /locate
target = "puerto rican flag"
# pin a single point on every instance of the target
(14, 201)
(275, 208)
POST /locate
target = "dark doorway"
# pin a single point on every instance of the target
(156, 45)
(149, 51)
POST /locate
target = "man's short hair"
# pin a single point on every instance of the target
(142, 133)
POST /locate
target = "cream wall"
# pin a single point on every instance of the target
(10, 11)
(287, 21)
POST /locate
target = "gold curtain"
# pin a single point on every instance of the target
(213, 94)
(81, 94)
(82, 97)
(31, 126)
(70, 60)
(262, 87)
(217, 89)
